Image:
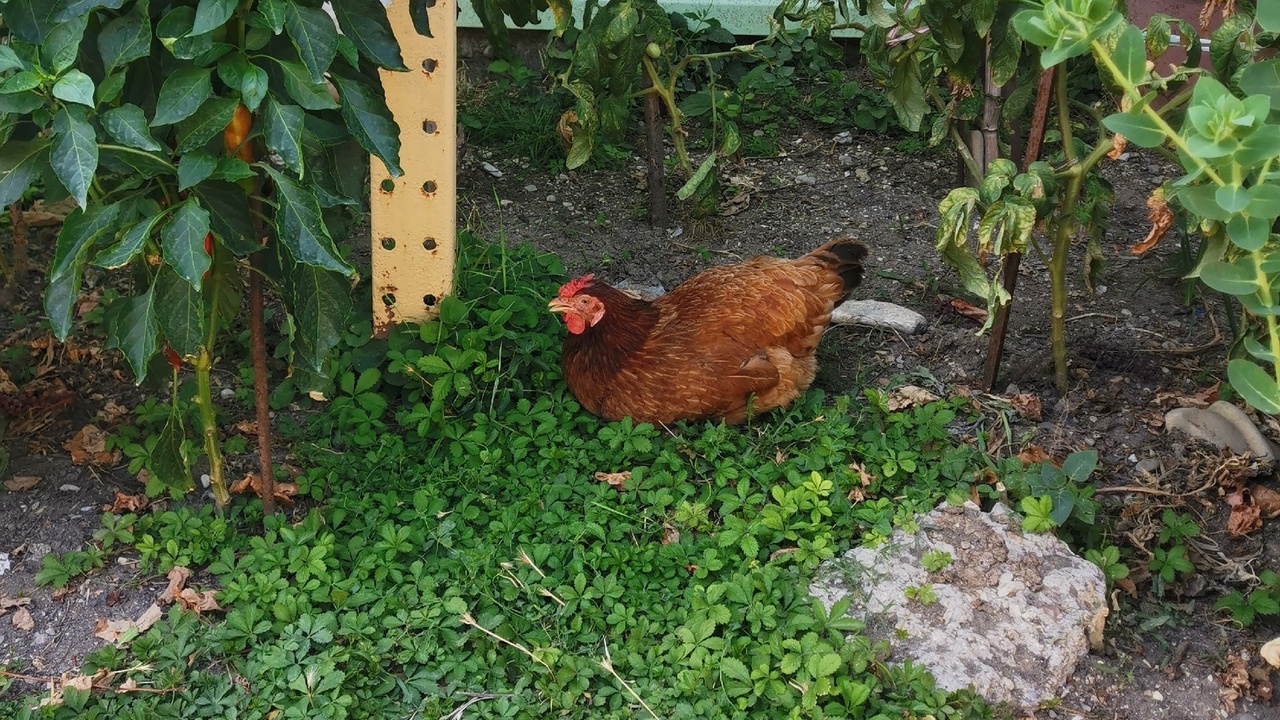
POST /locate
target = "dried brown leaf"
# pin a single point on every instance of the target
(1161, 218)
(22, 619)
(126, 504)
(969, 310)
(908, 395)
(1268, 501)
(1271, 653)
(1118, 144)
(177, 580)
(6, 385)
(1245, 516)
(246, 427)
(111, 630)
(1033, 455)
(285, 491)
(111, 412)
(1028, 406)
(89, 446)
(19, 483)
(615, 480)
(670, 534)
(198, 602)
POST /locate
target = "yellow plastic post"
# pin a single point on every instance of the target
(413, 217)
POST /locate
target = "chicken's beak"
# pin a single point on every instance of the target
(558, 305)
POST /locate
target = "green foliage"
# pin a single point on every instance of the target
(936, 560)
(1037, 514)
(482, 555)
(1261, 600)
(59, 570)
(1108, 560)
(922, 594)
(1226, 144)
(154, 119)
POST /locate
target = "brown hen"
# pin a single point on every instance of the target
(730, 342)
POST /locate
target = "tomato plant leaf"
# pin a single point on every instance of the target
(194, 168)
(127, 125)
(182, 240)
(320, 301)
(308, 94)
(125, 39)
(132, 329)
(211, 14)
(20, 164)
(228, 207)
(283, 133)
(119, 254)
(199, 129)
(366, 116)
(302, 227)
(74, 155)
(365, 23)
(179, 311)
(79, 232)
(315, 37)
(182, 94)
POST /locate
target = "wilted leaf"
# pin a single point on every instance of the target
(1271, 653)
(1033, 455)
(1268, 501)
(1161, 218)
(124, 503)
(177, 580)
(22, 619)
(1027, 405)
(969, 310)
(1245, 516)
(615, 480)
(908, 395)
(19, 483)
(285, 491)
(89, 446)
(198, 602)
(670, 534)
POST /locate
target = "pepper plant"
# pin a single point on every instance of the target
(204, 141)
(1227, 141)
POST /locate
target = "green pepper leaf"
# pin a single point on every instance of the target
(80, 230)
(182, 94)
(182, 240)
(315, 37)
(179, 311)
(283, 132)
(74, 156)
(127, 125)
(366, 116)
(302, 228)
(133, 330)
(365, 23)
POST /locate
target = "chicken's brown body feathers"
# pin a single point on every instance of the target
(731, 341)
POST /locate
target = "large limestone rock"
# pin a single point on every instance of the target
(1014, 613)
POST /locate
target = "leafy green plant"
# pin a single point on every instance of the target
(189, 135)
(936, 560)
(1108, 561)
(60, 570)
(1261, 600)
(922, 594)
(1226, 144)
(1037, 514)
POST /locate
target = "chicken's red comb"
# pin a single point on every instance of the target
(573, 287)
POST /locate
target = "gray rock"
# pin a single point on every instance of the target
(1014, 613)
(640, 290)
(1225, 426)
(489, 168)
(5, 563)
(531, 188)
(878, 314)
(844, 138)
(68, 487)
(846, 160)
(862, 175)
(806, 180)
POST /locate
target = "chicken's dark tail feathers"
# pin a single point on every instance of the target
(845, 256)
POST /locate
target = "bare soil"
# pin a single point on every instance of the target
(1136, 348)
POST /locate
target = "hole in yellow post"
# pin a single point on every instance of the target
(388, 185)
(429, 300)
(429, 65)
(388, 243)
(429, 244)
(429, 187)
(389, 300)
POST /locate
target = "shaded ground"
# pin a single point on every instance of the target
(1136, 349)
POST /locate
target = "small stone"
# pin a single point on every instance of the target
(846, 160)
(204, 480)
(552, 198)
(1155, 695)
(505, 202)
(757, 133)
(875, 313)
(1223, 425)
(1133, 459)
(806, 180)
(5, 564)
(227, 393)
(69, 488)
(567, 205)
(1126, 312)
(489, 168)
(862, 175)
(1151, 466)
(844, 138)
(86, 508)
(531, 188)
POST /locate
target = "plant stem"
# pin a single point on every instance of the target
(965, 156)
(1063, 230)
(667, 93)
(204, 388)
(1265, 298)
